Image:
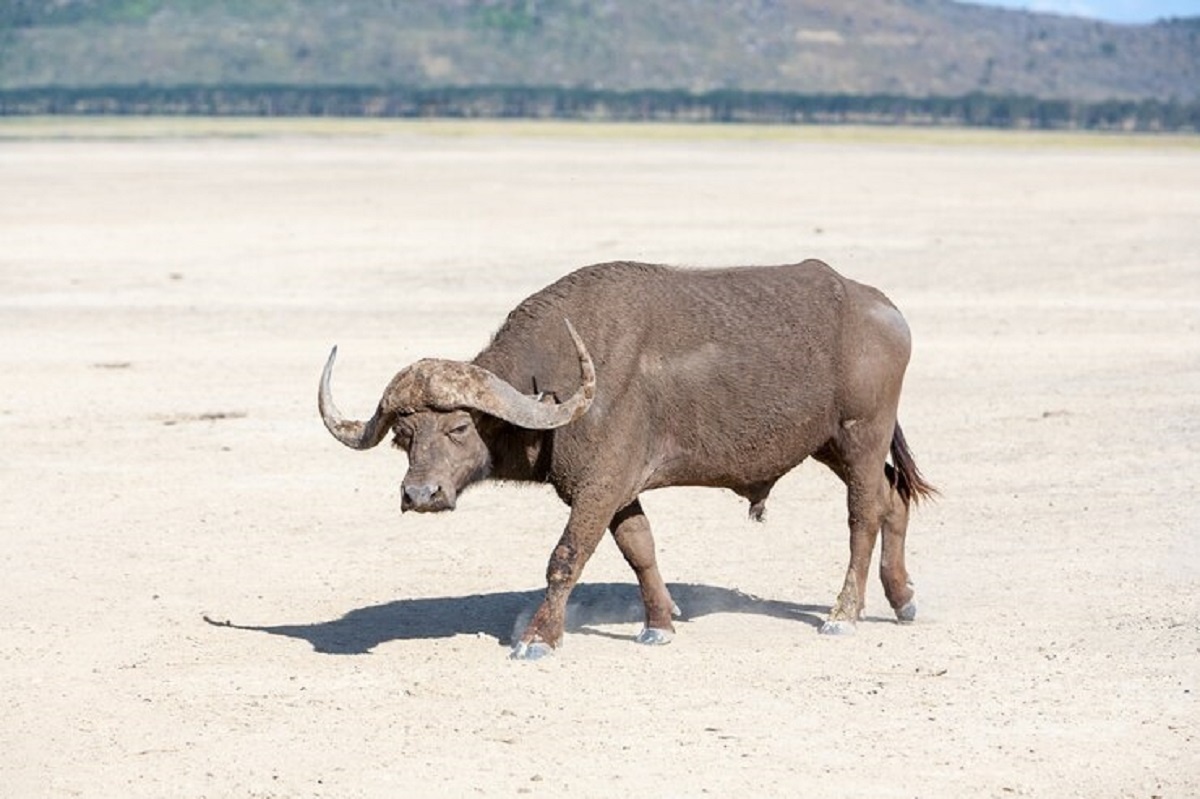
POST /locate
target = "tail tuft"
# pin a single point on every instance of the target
(905, 475)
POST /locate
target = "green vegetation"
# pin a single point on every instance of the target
(32, 13)
(64, 13)
(973, 110)
(508, 18)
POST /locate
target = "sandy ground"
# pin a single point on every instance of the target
(166, 305)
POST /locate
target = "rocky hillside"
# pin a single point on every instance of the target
(900, 47)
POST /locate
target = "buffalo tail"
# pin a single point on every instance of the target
(904, 474)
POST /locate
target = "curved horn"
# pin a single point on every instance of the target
(533, 414)
(357, 435)
(454, 384)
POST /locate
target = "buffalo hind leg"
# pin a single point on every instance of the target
(631, 530)
(858, 459)
(585, 528)
(864, 504)
(892, 571)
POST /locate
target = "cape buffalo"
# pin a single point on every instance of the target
(676, 377)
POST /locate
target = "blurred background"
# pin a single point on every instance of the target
(1107, 64)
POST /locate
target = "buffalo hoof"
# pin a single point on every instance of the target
(652, 637)
(908, 612)
(534, 651)
(838, 627)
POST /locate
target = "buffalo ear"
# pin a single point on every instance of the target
(486, 424)
(546, 397)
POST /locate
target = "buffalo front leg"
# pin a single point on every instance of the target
(631, 530)
(584, 530)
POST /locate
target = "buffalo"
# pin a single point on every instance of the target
(624, 377)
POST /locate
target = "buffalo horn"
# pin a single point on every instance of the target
(465, 385)
(358, 435)
(446, 385)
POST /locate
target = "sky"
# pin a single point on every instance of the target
(1125, 11)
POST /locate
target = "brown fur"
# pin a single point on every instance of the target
(725, 378)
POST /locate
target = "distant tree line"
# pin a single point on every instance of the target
(973, 110)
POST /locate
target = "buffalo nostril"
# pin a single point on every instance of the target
(418, 496)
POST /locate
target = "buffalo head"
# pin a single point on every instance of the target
(433, 407)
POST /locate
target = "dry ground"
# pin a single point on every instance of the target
(168, 296)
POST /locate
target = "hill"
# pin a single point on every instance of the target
(897, 47)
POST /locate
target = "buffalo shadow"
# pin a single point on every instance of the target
(361, 630)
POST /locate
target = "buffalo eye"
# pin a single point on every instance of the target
(459, 431)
